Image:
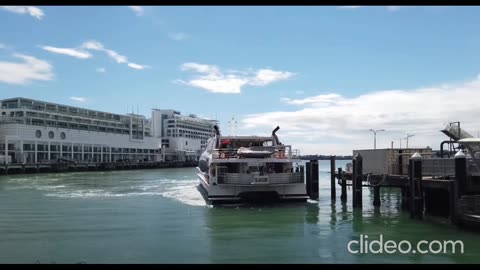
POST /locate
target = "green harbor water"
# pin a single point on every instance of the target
(158, 216)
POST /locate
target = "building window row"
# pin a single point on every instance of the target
(43, 147)
(43, 116)
(190, 127)
(28, 104)
(37, 122)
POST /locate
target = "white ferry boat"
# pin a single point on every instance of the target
(246, 168)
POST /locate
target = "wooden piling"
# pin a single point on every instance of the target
(452, 198)
(308, 177)
(315, 177)
(415, 185)
(461, 172)
(332, 178)
(405, 197)
(400, 162)
(343, 196)
(376, 196)
(312, 179)
(357, 181)
(457, 188)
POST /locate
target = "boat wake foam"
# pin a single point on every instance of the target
(186, 193)
(183, 191)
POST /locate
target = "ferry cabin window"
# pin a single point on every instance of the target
(268, 143)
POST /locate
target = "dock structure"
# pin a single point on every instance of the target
(431, 186)
(15, 168)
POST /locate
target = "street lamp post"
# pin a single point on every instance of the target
(375, 137)
(408, 136)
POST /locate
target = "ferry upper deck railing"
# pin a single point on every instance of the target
(295, 153)
(281, 152)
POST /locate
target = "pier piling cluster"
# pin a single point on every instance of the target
(422, 193)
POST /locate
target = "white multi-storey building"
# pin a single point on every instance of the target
(183, 137)
(35, 131)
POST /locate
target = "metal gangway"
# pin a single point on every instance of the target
(454, 132)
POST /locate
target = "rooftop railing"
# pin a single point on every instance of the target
(60, 110)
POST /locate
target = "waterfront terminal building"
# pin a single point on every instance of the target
(33, 131)
(182, 137)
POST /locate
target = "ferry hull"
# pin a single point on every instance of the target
(230, 193)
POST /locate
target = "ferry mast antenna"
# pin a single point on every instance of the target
(233, 125)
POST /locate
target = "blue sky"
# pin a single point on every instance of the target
(325, 74)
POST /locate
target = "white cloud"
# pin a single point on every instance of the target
(137, 66)
(316, 100)
(201, 68)
(78, 99)
(334, 124)
(82, 53)
(268, 76)
(218, 84)
(389, 8)
(179, 36)
(214, 80)
(393, 8)
(350, 7)
(120, 59)
(68, 51)
(30, 10)
(3, 46)
(101, 70)
(27, 70)
(116, 56)
(137, 9)
(93, 45)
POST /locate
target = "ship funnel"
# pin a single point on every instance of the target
(277, 142)
(217, 130)
(275, 130)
